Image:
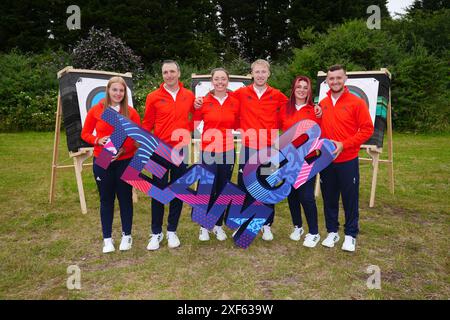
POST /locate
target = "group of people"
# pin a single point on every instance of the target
(343, 117)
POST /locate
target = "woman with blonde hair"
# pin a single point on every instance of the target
(108, 180)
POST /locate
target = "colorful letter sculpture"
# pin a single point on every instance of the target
(149, 145)
(249, 221)
(301, 155)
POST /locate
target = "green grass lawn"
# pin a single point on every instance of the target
(405, 235)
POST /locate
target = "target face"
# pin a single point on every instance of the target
(364, 88)
(359, 93)
(95, 96)
(90, 91)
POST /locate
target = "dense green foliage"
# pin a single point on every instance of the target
(195, 31)
(414, 49)
(28, 90)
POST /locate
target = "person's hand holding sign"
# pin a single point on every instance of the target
(339, 147)
(102, 141)
(118, 154)
(318, 110)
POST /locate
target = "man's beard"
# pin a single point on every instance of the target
(337, 91)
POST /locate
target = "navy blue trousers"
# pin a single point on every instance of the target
(109, 185)
(175, 205)
(221, 164)
(304, 196)
(243, 158)
(341, 179)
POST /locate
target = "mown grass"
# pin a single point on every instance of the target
(406, 235)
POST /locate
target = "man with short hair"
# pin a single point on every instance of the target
(168, 110)
(346, 121)
(260, 106)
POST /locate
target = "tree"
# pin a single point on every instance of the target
(322, 14)
(154, 29)
(428, 5)
(102, 51)
(25, 25)
(269, 28)
(420, 80)
(430, 29)
(256, 29)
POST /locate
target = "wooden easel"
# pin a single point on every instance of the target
(374, 152)
(78, 157)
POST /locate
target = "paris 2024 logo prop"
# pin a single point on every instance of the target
(297, 156)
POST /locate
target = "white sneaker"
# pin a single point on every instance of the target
(126, 242)
(349, 244)
(297, 233)
(220, 233)
(153, 244)
(172, 239)
(204, 234)
(108, 245)
(311, 240)
(331, 239)
(267, 233)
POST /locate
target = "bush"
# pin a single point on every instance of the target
(351, 44)
(280, 77)
(102, 51)
(419, 79)
(28, 89)
(428, 29)
(420, 96)
(414, 49)
(33, 113)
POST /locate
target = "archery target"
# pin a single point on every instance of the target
(90, 91)
(80, 90)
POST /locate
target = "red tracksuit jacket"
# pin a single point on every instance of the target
(259, 113)
(218, 117)
(163, 115)
(102, 128)
(348, 121)
(288, 119)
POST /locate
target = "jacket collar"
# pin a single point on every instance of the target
(253, 91)
(180, 85)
